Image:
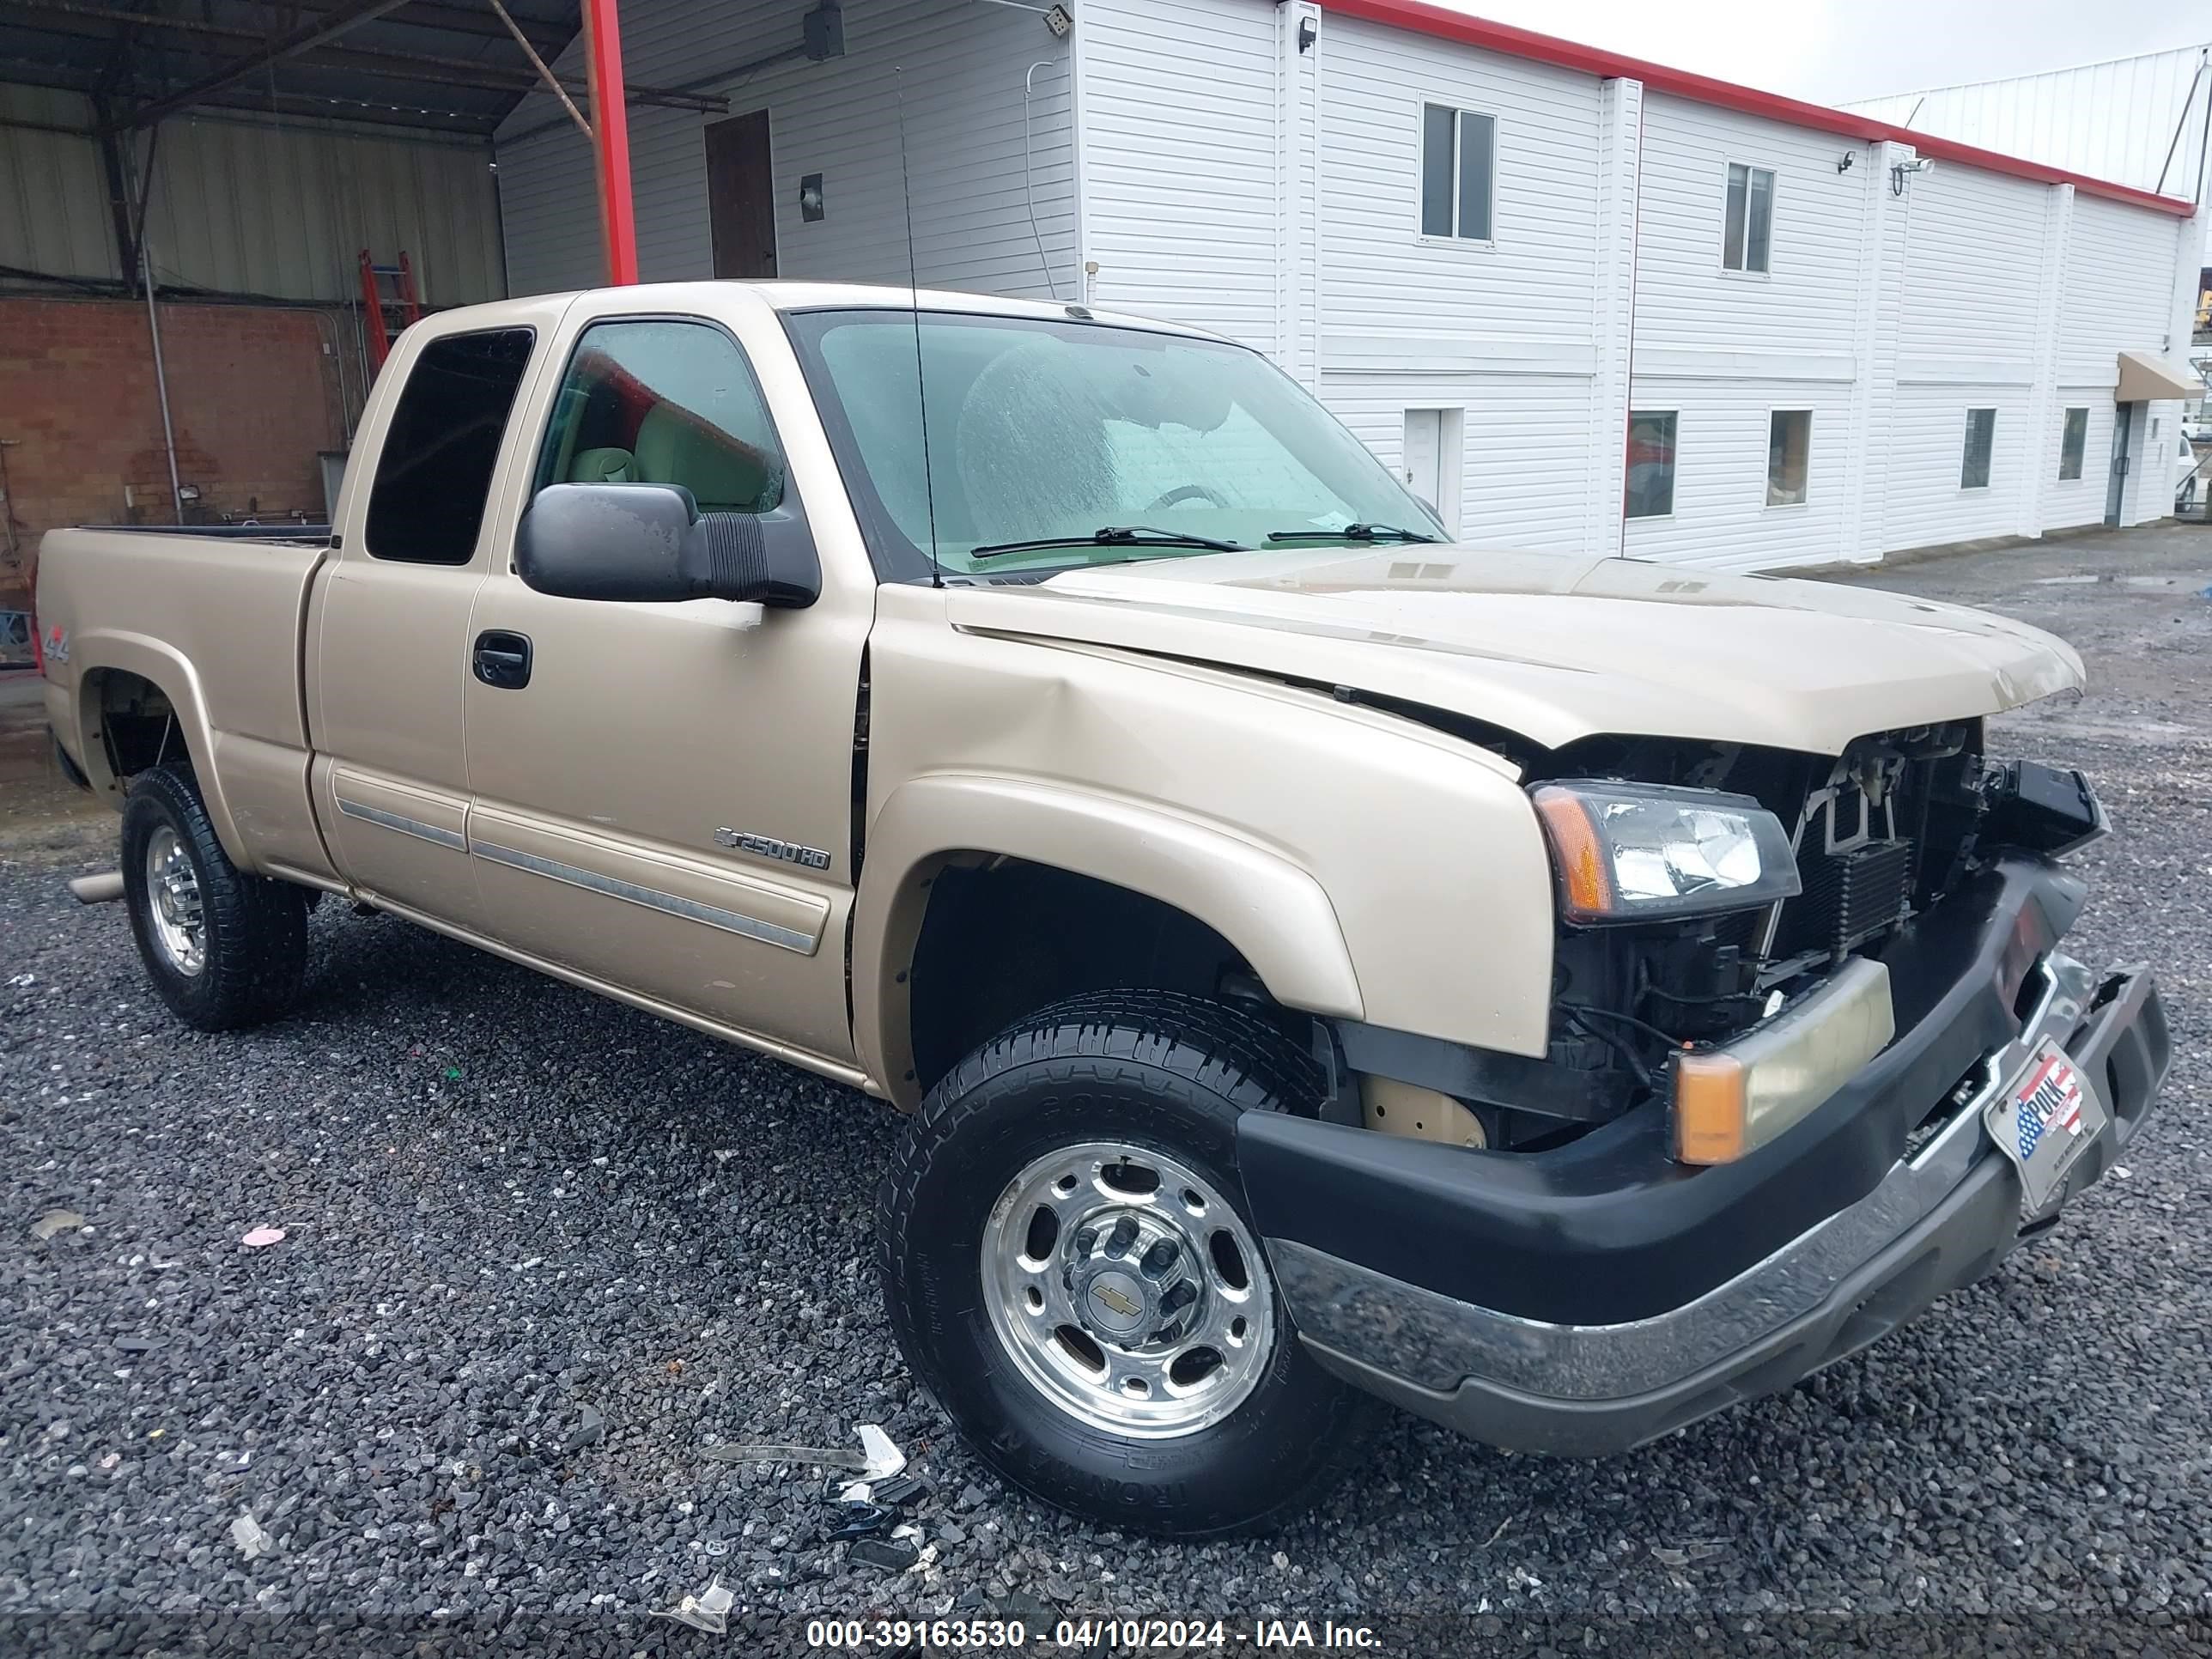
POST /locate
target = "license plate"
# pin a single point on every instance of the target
(2044, 1121)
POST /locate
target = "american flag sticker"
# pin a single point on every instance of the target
(2049, 1102)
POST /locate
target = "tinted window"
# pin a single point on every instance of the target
(1651, 464)
(1458, 164)
(435, 473)
(665, 402)
(1981, 438)
(1788, 456)
(1747, 219)
(2071, 442)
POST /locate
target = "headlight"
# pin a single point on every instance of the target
(1635, 851)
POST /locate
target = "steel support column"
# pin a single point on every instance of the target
(610, 139)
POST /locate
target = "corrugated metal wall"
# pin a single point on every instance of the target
(243, 207)
(962, 71)
(2117, 120)
(2111, 120)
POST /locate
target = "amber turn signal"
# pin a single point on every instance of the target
(1711, 1124)
(1585, 877)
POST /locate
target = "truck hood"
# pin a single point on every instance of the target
(1556, 647)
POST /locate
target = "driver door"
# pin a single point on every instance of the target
(662, 793)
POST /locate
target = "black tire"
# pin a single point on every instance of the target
(255, 930)
(1164, 1072)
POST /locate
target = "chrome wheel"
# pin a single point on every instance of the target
(1126, 1288)
(173, 903)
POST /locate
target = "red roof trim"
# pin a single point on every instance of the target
(1511, 42)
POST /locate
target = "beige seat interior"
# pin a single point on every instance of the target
(676, 446)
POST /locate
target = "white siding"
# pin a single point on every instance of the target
(1721, 518)
(1505, 331)
(1806, 305)
(1531, 286)
(1924, 452)
(2107, 306)
(960, 68)
(1182, 187)
(1974, 244)
(1727, 347)
(2071, 501)
(1526, 455)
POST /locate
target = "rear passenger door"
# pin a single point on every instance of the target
(386, 638)
(663, 803)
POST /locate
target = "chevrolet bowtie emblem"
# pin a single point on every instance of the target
(1114, 1299)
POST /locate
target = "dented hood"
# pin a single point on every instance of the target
(1557, 647)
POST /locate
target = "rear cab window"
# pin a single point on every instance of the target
(434, 473)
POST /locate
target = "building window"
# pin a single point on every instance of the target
(1981, 438)
(2072, 441)
(1651, 462)
(1788, 456)
(1459, 151)
(1748, 237)
(435, 473)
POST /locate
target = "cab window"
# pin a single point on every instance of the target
(433, 474)
(667, 402)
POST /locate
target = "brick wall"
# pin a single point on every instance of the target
(252, 394)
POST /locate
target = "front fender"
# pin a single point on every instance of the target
(1274, 914)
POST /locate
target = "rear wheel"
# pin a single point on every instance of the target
(1071, 1270)
(224, 949)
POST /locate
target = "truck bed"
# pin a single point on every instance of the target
(215, 620)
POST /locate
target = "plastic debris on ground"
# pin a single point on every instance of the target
(821, 1455)
(884, 1460)
(709, 1610)
(55, 1221)
(261, 1238)
(861, 1520)
(880, 1552)
(246, 1532)
(900, 1489)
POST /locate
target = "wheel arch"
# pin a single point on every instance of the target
(120, 674)
(1120, 858)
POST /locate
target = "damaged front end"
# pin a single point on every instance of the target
(1842, 854)
(1787, 989)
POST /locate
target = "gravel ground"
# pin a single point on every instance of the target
(540, 1252)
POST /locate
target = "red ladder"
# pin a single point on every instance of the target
(388, 311)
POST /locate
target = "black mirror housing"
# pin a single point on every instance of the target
(648, 543)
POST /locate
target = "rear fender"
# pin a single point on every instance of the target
(96, 653)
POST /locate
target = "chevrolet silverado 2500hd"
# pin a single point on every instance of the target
(1564, 996)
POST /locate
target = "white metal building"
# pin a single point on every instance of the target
(2139, 120)
(1585, 302)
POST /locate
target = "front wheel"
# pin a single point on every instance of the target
(1071, 1270)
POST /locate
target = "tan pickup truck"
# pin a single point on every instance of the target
(1563, 996)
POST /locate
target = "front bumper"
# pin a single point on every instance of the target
(1615, 1295)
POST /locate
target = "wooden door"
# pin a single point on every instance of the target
(741, 196)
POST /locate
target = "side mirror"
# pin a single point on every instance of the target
(647, 543)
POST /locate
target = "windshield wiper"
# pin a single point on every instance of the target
(1112, 535)
(1353, 533)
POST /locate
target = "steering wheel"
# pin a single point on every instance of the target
(1189, 492)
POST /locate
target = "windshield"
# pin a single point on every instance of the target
(1041, 429)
